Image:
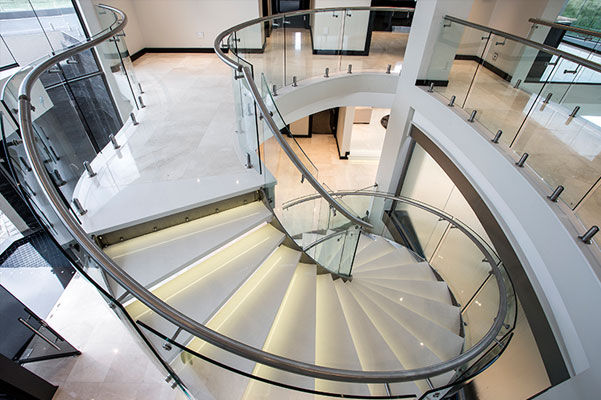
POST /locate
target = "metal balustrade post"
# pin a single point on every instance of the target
(133, 119)
(555, 195)
(114, 142)
(78, 207)
(89, 169)
(472, 116)
(497, 136)
(520, 163)
(588, 235)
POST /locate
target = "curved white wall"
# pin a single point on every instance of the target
(317, 94)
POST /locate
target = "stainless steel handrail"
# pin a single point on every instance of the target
(323, 239)
(539, 21)
(165, 310)
(543, 47)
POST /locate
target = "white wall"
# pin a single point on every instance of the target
(184, 23)
(190, 23)
(346, 116)
(134, 37)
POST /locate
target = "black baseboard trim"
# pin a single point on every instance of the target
(146, 50)
(427, 82)
(468, 57)
(341, 52)
(498, 71)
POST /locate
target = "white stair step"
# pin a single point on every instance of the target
(408, 349)
(399, 256)
(433, 290)
(200, 291)
(153, 257)
(292, 335)
(247, 317)
(334, 345)
(373, 351)
(444, 343)
(418, 271)
(445, 315)
(364, 241)
(376, 248)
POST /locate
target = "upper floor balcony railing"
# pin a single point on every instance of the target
(542, 104)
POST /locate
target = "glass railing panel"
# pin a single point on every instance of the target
(249, 44)
(563, 135)
(324, 49)
(460, 264)
(117, 77)
(128, 67)
(365, 49)
(6, 58)
(456, 57)
(246, 124)
(479, 313)
(499, 94)
(270, 102)
(271, 62)
(420, 227)
(384, 44)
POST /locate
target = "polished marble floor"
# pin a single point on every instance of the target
(181, 155)
(112, 366)
(367, 140)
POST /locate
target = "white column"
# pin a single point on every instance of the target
(422, 38)
(346, 116)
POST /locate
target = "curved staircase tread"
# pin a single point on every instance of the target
(433, 290)
(202, 289)
(334, 346)
(373, 351)
(247, 317)
(376, 248)
(444, 343)
(289, 338)
(398, 256)
(153, 257)
(444, 315)
(418, 271)
(364, 241)
(406, 347)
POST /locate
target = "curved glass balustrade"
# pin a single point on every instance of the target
(542, 102)
(47, 157)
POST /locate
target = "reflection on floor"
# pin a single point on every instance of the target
(334, 173)
(111, 366)
(385, 48)
(367, 139)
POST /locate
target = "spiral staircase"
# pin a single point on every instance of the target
(233, 272)
(234, 305)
